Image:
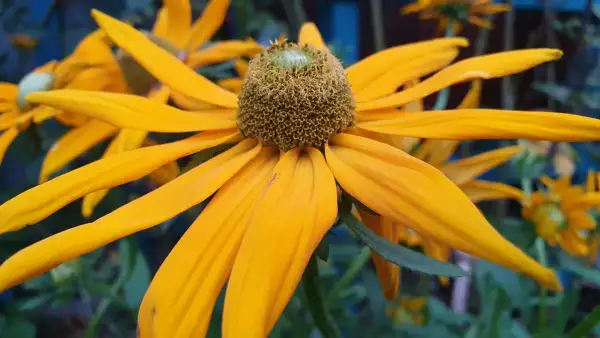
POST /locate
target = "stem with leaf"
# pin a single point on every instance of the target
(442, 99)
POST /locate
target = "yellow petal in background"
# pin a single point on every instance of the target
(173, 198)
(222, 51)
(295, 211)
(368, 69)
(43, 200)
(241, 68)
(135, 112)
(180, 299)
(486, 124)
(468, 169)
(233, 84)
(162, 65)
(73, 144)
(473, 97)
(309, 34)
(179, 21)
(208, 24)
(387, 272)
(397, 185)
(480, 67)
(160, 28)
(6, 139)
(479, 191)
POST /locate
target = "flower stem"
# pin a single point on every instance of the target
(442, 99)
(353, 270)
(540, 249)
(316, 303)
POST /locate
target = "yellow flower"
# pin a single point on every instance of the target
(561, 214)
(410, 310)
(456, 12)
(175, 32)
(275, 190)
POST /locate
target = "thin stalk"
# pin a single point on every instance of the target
(441, 101)
(551, 42)
(353, 270)
(377, 23)
(540, 249)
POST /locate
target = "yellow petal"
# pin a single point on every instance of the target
(590, 182)
(480, 67)
(180, 299)
(39, 202)
(391, 80)
(232, 84)
(486, 124)
(414, 7)
(488, 9)
(295, 211)
(468, 169)
(480, 22)
(161, 24)
(8, 92)
(173, 198)
(479, 191)
(74, 143)
(135, 112)
(362, 73)
(309, 34)
(471, 100)
(128, 139)
(162, 65)
(387, 272)
(436, 152)
(397, 185)
(209, 22)
(222, 51)
(241, 68)
(179, 21)
(185, 102)
(438, 251)
(581, 220)
(6, 139)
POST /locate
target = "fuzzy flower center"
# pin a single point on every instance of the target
(295, 96)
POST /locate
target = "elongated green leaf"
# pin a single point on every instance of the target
(579, 268)
(587, 325)
(394, 253)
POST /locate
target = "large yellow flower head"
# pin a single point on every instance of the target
(271, 205)
(456, 12)
(175, 33)
(563, 214)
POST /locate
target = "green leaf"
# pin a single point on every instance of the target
(496, 305)
(323, 249)
(440, 313)
(502, 278)
(578, 267)
(394, 253)
(587, 325)
(138, 283)
(16, 327)
(33, 302)
(565, 310)
(561, 94)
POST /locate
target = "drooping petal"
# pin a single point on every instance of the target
(135, 112)
(362, 73)
(468, 169)
(309, 34)
(480, 67)
(41, 201)
(6, 139)
(473, 97)
(162, 65)
(486, 124)
(165, 174)
(391, 80)
(209, 22)
(179, 21)
(73, 144)
(222, 51)
(173, 198)
(128, 139)
(295, 211)
(387, 272)
(397, 185)
(180, 299)
(479, 191)
(480, 22)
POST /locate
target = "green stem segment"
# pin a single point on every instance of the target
(584, 328)
(540, 249)
(442, 99)
(354, 269)
(316, 303)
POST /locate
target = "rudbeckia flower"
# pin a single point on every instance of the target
(274, 191)
(175, 33)
(456, 12)
(562, 214)
(86, 68)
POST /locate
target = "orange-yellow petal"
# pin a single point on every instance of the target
(467, 169)
(162, 65)
(362, 73)
(397, 185)
(241, 68)
(222, 51)
(474, 124)
(480, 67)
(479, 191)
(387, 272)
(135, 112)
(309, 34)
(179, 21)
(8, 93)
(180, 299)
(487, 9)
(43, 200)
(6, 139)
(293, 214)
(209, 22)
(161, 24)
(173, 198)
(473, 97)
(232, 84)
(480, 22)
